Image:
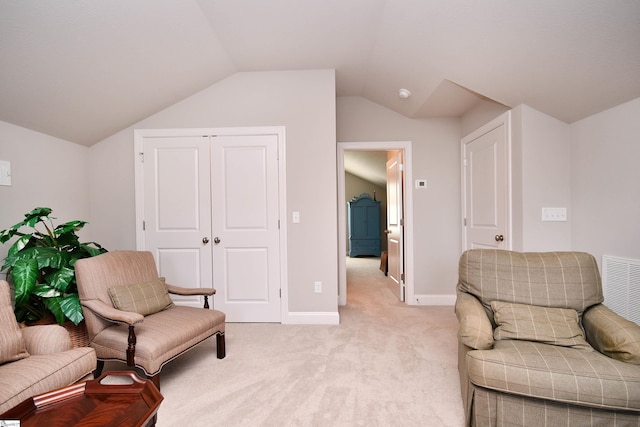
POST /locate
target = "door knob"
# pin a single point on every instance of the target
(205, 240)
(499, 237)
(216, 240)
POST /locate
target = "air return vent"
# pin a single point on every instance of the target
(621, 286)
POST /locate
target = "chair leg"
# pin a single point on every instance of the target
(131, 349)
(155, 379)
(220, 345)
(99, 368)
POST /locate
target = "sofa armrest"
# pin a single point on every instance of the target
(475, 329)
(612, 334)
(112, 314)
(179, 290)
(46, 339)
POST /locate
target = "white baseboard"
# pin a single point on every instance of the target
(433, 300)
(312, 318)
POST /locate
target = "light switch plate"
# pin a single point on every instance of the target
(5, 173)
(554, 214)
(421, 183)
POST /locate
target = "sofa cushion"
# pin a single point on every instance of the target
(46, 339)
(38, 374)
(548, 279)
(144, 298)
(161, 336)
(612, 334)
(563, 374)
(12, 345)
(555, 326)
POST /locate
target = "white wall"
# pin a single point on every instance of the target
(436, 158)
(541, 164)
(303, 102)
(46, 172)
(605, 182)
(96, 184)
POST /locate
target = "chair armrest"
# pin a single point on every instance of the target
(112, 314)
(179, 290)
(475, 329)
(612, 334)
(46, 339)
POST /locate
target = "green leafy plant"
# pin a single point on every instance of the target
(40, 264)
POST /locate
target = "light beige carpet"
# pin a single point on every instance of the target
(386, 364)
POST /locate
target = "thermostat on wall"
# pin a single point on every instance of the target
(421, 183)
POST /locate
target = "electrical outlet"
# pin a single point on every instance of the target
(318, 287)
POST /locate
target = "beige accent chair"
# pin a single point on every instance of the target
(538, 347)
(36, 359)
(131, 318)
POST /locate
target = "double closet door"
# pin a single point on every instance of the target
(207, 206)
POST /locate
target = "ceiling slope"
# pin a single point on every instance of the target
(82, 71)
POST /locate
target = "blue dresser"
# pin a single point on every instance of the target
(364, 226)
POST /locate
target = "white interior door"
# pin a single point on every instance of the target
(395, 231)
(246, 246)
(486, 188)
(177, 212)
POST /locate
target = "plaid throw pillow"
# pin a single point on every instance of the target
(144, 298)
(555, 326)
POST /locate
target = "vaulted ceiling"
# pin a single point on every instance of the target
(83, 70)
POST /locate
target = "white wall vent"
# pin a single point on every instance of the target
(621, 286)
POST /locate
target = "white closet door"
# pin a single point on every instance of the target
(177, 211)
(246, 245)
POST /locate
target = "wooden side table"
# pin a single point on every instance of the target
(114, 399)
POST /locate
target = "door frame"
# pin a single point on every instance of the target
(138, 141)
(405, 147)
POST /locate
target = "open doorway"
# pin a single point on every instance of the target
(404, 147)
(365, 186)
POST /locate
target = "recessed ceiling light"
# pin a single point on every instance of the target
(404, 93)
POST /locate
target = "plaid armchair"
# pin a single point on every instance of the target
(36, 359)
(538, 347)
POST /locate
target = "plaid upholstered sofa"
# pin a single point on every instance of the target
(538, 347)
(36, 359)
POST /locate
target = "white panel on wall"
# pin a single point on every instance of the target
(621, 286)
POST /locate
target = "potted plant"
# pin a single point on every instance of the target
(40, 264)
